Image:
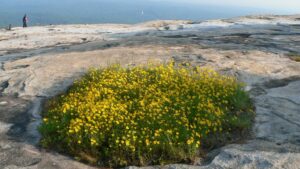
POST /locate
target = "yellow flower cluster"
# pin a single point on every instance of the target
(124, 115)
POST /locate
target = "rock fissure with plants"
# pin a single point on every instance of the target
(146, 115)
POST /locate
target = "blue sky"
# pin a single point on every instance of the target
(292, 6)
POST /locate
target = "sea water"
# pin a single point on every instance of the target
(45, 12)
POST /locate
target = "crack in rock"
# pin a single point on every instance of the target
(286, 119)
(3, 86)
(275, 83)
(2, 66)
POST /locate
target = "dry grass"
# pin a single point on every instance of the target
(294, 56)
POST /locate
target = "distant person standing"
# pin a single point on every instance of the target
(25, 20)
(9, 27)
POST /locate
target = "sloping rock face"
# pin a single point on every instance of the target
(40, 62)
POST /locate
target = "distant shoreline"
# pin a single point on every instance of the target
(258, 16)
(255, 16)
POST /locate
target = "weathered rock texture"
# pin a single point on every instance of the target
(40, 62)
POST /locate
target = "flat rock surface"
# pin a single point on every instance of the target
(37, 63)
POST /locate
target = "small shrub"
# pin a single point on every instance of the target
(144, 115)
